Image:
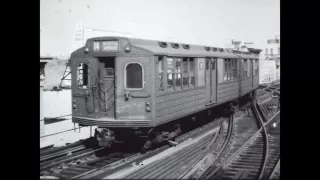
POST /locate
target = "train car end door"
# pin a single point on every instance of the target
(211, 81)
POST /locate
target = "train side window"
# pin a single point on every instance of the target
(225, 75)
(83, 75)
(244, 67)
(170, 73)
(235, 69)
(220, 63)
(228, 64)
(249, 67)
(257, 66)
(213, 64)
(178, 73)
(134, 76)
(192, 74)
(254, 67)
(201, 71)
(185, 79)
(160, 73)
(229, 70)
(207, 64)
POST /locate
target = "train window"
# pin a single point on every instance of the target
(266, 50)
(178, 73)
(220, 63)
(271, 51)
(256, 66)
(192, 74)
(227, 70)
(170, 73)
(160, 73)
(244, 67)
(186, 46)
(213, 64)
(235, 69)
(207, 64)
(225, 75)
(249, 68)
(254, 63)
(163, 44)
(83, 75)
(134, 76)
(175, 45)
(185, 79)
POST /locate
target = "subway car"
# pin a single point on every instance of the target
(135, 87)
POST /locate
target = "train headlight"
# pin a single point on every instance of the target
(86, 50)
(274, 124)
(127, 49)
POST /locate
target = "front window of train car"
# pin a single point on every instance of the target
(83, 75)
(134, 76)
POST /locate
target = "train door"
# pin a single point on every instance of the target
(133, 90)
(82, 75)
(106, 86)
(211, 80)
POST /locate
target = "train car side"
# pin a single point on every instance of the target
(131, 86)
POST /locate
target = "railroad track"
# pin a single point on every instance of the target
(88, 162)
(139, 158)
(258, 158)
(244, 127)
(268, 108)
(181, 163)
(266, 92)
(176, 164)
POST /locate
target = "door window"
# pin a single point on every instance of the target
(83, 75)
(134, 76)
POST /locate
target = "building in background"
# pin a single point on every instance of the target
(272, 53)
(43, 62)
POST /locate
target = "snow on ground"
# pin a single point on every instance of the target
(125, 172)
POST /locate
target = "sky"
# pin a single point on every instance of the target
(202, 22)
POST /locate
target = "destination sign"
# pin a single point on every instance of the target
(107, 46)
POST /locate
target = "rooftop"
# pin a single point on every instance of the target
(45, 59)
